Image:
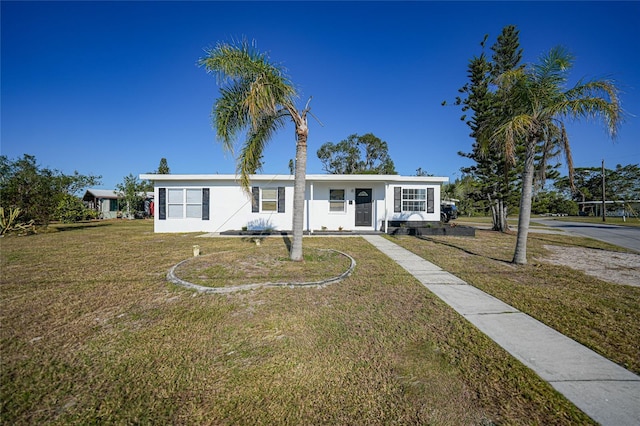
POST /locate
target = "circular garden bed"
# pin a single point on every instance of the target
(258, 266)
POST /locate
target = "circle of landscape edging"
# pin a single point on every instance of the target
(171, 276)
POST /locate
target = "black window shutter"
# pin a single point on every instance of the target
(430, 206)
(281, 199)
(205, 203)
(255, 199)
(397, 199)
(162, 203)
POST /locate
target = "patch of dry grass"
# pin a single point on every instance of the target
(244, 262)
(92, 333)
(601, 315)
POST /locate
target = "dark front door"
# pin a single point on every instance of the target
(363, 206)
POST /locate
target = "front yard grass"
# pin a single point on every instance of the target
(603, 316)
(93, 333)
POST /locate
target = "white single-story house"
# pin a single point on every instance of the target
(217, 203)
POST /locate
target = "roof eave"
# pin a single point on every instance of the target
(311, 177)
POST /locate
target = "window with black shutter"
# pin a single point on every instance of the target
(430, 200)
(205, 203)
(255, 199)
(397, 199)
(281, 199)
(162, 203)
(267, 200)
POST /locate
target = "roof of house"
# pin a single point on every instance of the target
(106, 193)
(99, 193)
(309, 178)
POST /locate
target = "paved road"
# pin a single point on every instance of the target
(623, 236)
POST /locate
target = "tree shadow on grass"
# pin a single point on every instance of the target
(258, 238)
(448, 244)
(584, 243)
(287, 241)
(76, 226)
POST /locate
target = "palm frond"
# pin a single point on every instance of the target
(592, 108)
(257, 139)
(566, 148)
(514, 130)
(553, 67)
(595, 99)
(230, 114)
(252, 85)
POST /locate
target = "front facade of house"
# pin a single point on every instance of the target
(217, 203)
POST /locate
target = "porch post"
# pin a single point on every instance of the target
(309, 204)
(386, 210)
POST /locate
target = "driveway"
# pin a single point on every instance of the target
(623, 236)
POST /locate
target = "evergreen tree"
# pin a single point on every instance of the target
(163, 167)
(484, 101)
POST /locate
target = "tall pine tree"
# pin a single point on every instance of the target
(484, 102)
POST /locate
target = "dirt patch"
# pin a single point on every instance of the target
(609, 266)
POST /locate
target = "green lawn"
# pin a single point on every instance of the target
(93, 333)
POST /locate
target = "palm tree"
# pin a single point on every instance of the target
(539, 103)
(258, 96)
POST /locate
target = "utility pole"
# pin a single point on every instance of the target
(604, 206)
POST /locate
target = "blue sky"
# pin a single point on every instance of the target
(109, 88)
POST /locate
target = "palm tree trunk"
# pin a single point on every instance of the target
(298, 193)
(524, 216)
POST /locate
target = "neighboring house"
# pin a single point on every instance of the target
(217, 203)
(104, 201)
(619, 208)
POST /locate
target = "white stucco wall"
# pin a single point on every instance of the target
(230, 207)
(320, 215)
(414, 216)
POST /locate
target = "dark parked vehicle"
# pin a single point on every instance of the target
(448, 212)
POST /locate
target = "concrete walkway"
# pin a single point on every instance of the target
(606, 392)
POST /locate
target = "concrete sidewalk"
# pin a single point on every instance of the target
(606, 392)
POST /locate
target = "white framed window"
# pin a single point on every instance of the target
(183, 203)
(414, 199)
(175, 203)
(337, 201)
(269, 202)
(193, 207)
